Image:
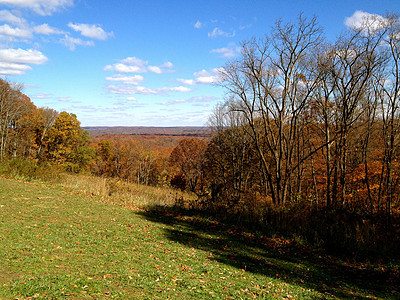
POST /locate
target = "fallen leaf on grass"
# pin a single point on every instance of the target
(185, 268)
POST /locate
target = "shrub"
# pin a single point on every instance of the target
(27, 170)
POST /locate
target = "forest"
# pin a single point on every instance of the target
(306, 142)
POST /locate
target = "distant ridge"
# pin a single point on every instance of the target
(195, 131)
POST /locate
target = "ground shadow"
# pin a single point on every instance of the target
(295, 264)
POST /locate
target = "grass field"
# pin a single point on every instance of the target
(58, 243)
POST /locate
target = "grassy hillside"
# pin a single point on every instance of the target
(56, 242)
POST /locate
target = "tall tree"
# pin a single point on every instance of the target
(67, 143)
(388, 93)
(45, 120)
(270, 86)
(13, 106)
(228, 164)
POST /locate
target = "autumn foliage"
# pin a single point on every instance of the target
(41, 134)
(187, 161)
(308, 142)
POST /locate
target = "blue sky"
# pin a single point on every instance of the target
(143, 63)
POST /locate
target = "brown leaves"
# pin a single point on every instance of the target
(185, 268)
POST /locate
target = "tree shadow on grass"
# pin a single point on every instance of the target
(275, 257)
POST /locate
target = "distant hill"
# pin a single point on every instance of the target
(155, 131)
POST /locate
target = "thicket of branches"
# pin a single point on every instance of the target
(312, 128)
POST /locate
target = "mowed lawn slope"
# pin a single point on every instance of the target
(56, 243)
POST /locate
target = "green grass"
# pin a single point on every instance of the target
(58, 243)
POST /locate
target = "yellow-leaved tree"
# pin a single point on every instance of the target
(67, 144)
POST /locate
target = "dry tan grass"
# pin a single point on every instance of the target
(124, 193)
(109, 190)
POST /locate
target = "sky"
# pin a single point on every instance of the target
(144, 63)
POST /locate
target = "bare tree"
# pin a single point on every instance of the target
(47, 118)
(228, 165)
(388, 92)
(12, 107)
(270, 86)
(354, 61)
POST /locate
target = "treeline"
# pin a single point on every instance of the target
(308, 140)
(41, 134)
(312, 128)
(47, 136)
(129, 160)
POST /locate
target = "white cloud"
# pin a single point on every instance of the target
(128, 65)
(17, 61)
(361, 19)
(22, 30)
(167, 64)
(137, 65)
(15, 32)
(9, 72)
(162, 68)
(131, 98)
(134, 61)
(186, 81)
(71, 43)
(201, 73)
(198, 25)
(173, 102)
(8, 17)
(180, 89)
(21, 56)
(13, 69)
(155, 69)
(42, 7)
(231, 51)
(218, 32)
(141, 90)
(47, 30)
(129, 90)
(134, 80)
(205, 77)
(64, 99)
(43, 96)
(91, 31)
(123, 68)
(202, 77)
